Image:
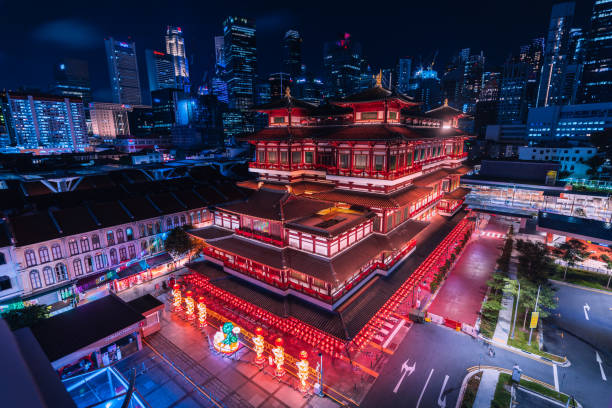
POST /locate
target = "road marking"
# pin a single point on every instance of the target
(556, 377)
(599, 361)
(405, 370)
(586, 308)
(423, 390)
(442, 401)
(399, 326)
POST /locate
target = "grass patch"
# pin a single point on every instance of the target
(470, 391)
(521, 338)
(501, 398)
(582, 278)
(489, 321)
(502, 395)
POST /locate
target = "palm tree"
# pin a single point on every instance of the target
(572, 252)
(606, 259)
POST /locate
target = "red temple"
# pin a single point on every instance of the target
(342, 191)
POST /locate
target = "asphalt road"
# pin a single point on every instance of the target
(581, 341)
(440, 357)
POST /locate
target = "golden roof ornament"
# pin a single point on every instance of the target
(446, 102)
(287, 93)
(378, 79)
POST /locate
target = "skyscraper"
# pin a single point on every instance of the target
(160, 69)
(219, 49)
(597, 71)
(72, 79)
(47, 121)
(342, 62)
(404, 68)
(552, 81)
(513, 101)
(123, 71)
(292, 58)
(473, 70)
(175, 46)
(279, 82)
(240, 59)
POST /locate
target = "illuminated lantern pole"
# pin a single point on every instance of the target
(189, 305)
(302, 367)
(177, 299)
(258, 341)
(201, 312)
(279, 357)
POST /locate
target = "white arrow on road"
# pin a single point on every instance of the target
(442, 401)
(405, 370)
(599, 361)
(586, 308)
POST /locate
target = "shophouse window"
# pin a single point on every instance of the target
(110, 238)
(88, 264)
(73, 246)
(35, 280)
(43, 254)
(84, 244)
(95, 241)
(61, 273)
(30, 257)
(129, 234)
(56, 251)
(77, 266)
(48, 275)
(120, 237)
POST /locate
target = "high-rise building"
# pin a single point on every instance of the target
(171, 107)
(513, 101)
(343, 66)
(72, 79)
(240, 61)
(219, 50)
(596, 83)
(7, 135)
(473, 69)
(425, 87)
(569, 122)
(47, 121)
(308, 88)
(553, 81)
(533, 54)
(160, 69)
(279, 82)
(175, 46)
(292, 58)
(404, 71)
(123, 71)
(109, 120)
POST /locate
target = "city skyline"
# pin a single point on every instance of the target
(62, 33)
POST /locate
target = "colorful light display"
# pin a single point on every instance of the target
(226, 340)
(189, 305)
(302, 366)
(201, 312)
(177, 298)
(279, 357)
(258, 341)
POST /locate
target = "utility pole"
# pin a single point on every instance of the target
(518, 297)
(535, 310)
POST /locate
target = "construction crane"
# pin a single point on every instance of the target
(433, 61)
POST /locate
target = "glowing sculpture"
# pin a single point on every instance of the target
(201, 312)
(279, 357)
(258, 341)
(302, 367)
(225, 341)
(189, 305)
(177, 298)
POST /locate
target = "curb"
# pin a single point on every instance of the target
(534, 356)
(573, 285)
(466, 379)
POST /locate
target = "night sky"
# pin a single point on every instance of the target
(35, 34)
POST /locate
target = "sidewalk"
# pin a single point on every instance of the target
(504, 324)
(486, 389)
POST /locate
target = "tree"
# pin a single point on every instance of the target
(534, 264)
(26, 317)
(572, 252)
(606, 259)
(497, 283)
(178, 242)
(529, 291)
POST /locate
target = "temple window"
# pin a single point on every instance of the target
(308, 157)
(261, 156)
(278, 119)
(369, 115)
(361, 161)
(261, 226)
(409, 159)
(296, 157)
(392, 162)
(284, 157)
(393, 115)
(379, 162)
(272, 156)
(344, 161)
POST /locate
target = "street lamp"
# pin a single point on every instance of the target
(535, 309)
(518, 297)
